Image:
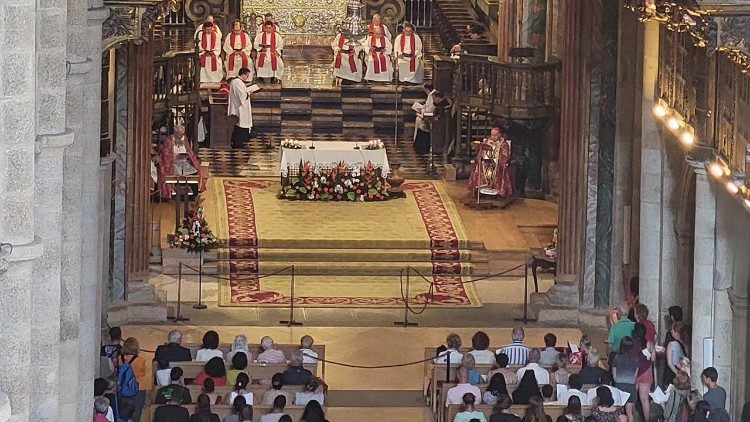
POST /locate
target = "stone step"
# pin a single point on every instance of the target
(349, 269)
(351, 255)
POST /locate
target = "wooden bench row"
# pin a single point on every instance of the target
(257, 390)
(256, 371)
(255, 349)
(224, 410)
(552, 410)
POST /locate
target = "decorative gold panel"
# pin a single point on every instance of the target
(302, 17)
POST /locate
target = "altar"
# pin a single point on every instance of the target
(333, 171)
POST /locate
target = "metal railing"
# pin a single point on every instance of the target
(419, 13)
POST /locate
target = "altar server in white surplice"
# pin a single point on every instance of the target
(408, 49)
(209, 18)
(239, 106)
(377, 22)
(269, 45)
(346, 63)
(268, 18)
(238, 45)
(378, 51)
(209, 49)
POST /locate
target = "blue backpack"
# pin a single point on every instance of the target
(127, 384)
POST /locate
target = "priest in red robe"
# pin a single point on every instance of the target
(238, 45)
(378, 49)
(176, 158)
(492, 173)
(408, 50)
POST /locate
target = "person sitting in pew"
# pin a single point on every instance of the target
(572, 412)
(517, 352)
(210, 347)
(591, 372)
(574, 390)
(501, 367)
(162, 374)
(175, 388)
(172, 411)
(270, 353)
(475, 377)
(247, 414)
(313, 412)
(605, 409)
(549, 354)
(452, 344)
(239, 366)
(305, 346)
(527, 388)
(480, 342)
(240, 389)
(101, 407)
(238, 406)
(561, 375)
(501, 411)
(535, 411)
(285, 418)
(495, 389)
(203, 411)
(277, 411)
(239, 345)
(172, 351)
(468, 413)
(214, 369)
(311, 391)
(296, 374)
(455, 395)
(541, 374)
(547, 392)
(277, 382)
(209, 389)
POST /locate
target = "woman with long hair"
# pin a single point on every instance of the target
(313, 412)
(624, 369)
(239, 345)
(203, 410)
(645, 375)
(676, 350)
(210, 347)
(604, 409)
(240, 389)
(535, 411)
(468, 413)
(572, 411)
(495, 389)
(238, 406)
(131, 353)
(527, 388)
(214, 369)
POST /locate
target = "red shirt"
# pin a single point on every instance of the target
(650, 332)
(218, 381)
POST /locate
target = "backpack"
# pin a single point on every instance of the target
(127, 384)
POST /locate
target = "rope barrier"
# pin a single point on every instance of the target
(350, 365)
(254, 275)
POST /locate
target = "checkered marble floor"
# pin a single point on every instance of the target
(259, 157)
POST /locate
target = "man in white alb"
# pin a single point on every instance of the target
(210, 19)
(378, 51)
(346, 63)
(209, 49)
(269, 45)
(268, 18)
(238, 45)
(239, 106)
(408, 49)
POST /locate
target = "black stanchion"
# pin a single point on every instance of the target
(200, 304)
(525, 318)
(405, 322)
(178, 316)
(291, 322)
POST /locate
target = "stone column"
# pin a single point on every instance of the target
(91, 285)
(740, 375)
(506, 28)
(704, 302)
(17, 224)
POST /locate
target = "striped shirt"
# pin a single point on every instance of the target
(517, 353)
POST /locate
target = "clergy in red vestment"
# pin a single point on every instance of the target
(209, 51)
(408, 50)
(377, 22)
(378, 51)
(346, 63)
(176, 158)
(238, 45)
(269, 45)
(492, 173)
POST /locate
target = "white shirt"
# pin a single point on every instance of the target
(468, 416)
(455, 395)
(541, 374)
(271, 417)
(564, 397)
(303, 397)
(204, 355)
(456, 356)
(517, 353)
(591, 394)
(239, 103)
(248, 397)
(483, 357)
(312, 358)
(163, 377)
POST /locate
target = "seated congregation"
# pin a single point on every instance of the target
(518, 382)
(212, 381)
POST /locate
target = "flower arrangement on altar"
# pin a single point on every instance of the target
(374, 144)
(292, 144)
(193, 235)
(339, 183)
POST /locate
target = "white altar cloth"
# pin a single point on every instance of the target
(330, 153)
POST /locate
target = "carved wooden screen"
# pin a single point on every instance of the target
(727, 107)
(742, 135)
(666, 65)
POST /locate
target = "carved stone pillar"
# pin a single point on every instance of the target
(140, 114)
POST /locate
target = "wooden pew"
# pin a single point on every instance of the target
(224, 410)
(552, 410)
(257, 371)
(254, 349)
(257, 389)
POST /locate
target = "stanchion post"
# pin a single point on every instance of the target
(200, 304)
(291, 322)
(525, 318)
(405, 322)
(178, 316)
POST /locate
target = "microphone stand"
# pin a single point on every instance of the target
(178, 316)
(291, 322)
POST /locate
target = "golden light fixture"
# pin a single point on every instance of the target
(687, 138)
(673, 123)
(716, 169)
(659, 110)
